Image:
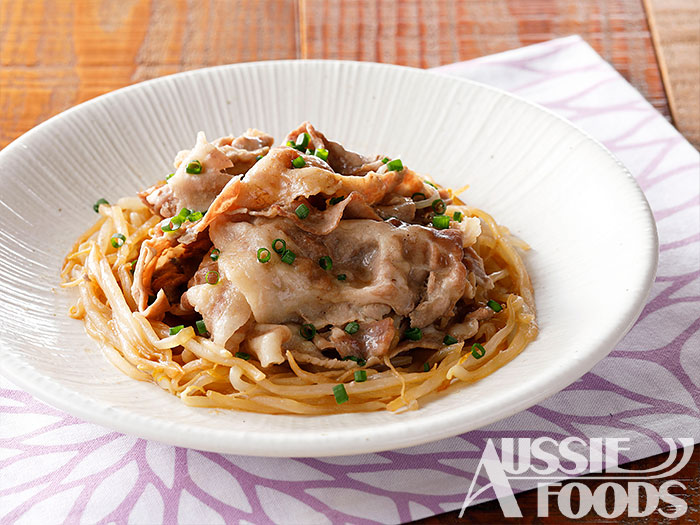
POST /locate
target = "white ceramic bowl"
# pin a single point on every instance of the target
(593, 236)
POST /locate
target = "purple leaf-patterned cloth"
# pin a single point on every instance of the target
(55, 468)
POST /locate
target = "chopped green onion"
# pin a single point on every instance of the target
(426, 367)
(341, 395)
(360, 376)
(169, 176)
(264, 255)
(279, 249)
(441, 222)
(299, 162)
(302, 141)
(184, 213)
(212, 277)
(439, 206)
(418, 196)
(259, 157)
(194, 167)
(242, 355)
(430, 184)
(494, 305)
(307, 331)
(449, 340)
(214, 255)
(201, 327)
(342, 276)
(117, 240)
(173, 224)
(310, 151)
(133, 266)
(414, 334)
(96, 206)
(385, 160)
(352, 328)
(195, 216)
(291, 144)
(394, 165)
(358, 360)
(457, 216)
(325, 262)
(288, 257)
(302, 211)
(478, 351)
(322, 153)
(176, 329)
(336, 200)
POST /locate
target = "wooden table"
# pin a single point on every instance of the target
(57, 53)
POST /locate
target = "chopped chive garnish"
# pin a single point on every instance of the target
(117, 240)
(279, 246)
(302, 211)
(457, 216)
(449, 340)
(352, 328)
(322, 153)
(258, 158)
(96, 206)
(307, 331)
(341, 396)
(169, 176)
(336, 200)
(214, 255)
(201, 327)
(394, 165)
(358, 360)
(212, 277)
(342, 276)
(133, 266)
(414, 334)
(426, 367)
(494, 305)
(172, 225)
(478, 351)
(418, 196)
(360, 376)
(441, 222)
(184, 213)
(288, 257)
(430, 184)
(325, 262)
(310, 151)
(385, 160)
(195, 216)
(291, 144)
(299, 162)
(194, 167)
(439, 206)
(242, 355)
(264, 255)
(176, 329)
(302, 141)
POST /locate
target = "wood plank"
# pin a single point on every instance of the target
(428, 33)
(57, 53)
(675, 30)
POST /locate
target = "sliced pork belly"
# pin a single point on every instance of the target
(220, 161)
(409, 269)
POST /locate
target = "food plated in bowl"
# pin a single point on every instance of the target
(590, 266)
(303, 279)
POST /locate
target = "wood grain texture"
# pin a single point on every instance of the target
(428, 33)
(57, 53)
(675, 29)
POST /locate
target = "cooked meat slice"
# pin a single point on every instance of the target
(243, 151)
(373, 339)
(273, 181)
(398, 207)
(176, 265)
(413, 270)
